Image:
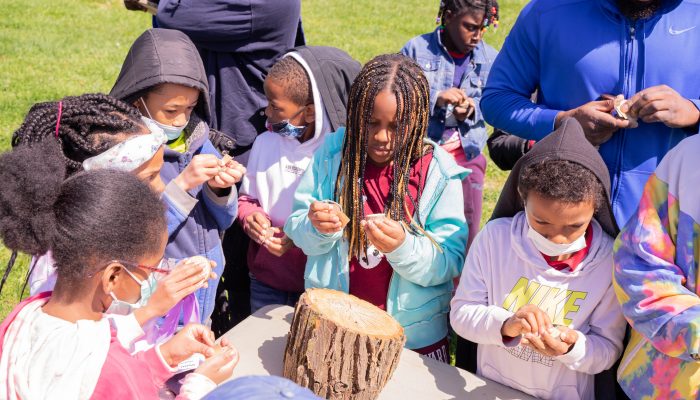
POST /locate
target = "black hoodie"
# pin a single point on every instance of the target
(569, 143)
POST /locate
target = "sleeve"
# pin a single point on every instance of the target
(195, 386)
(514, 77)
(128, 329)
(506, 149)
(474, 130)
(471, 315)
(418, 260)
(179, 203)
(649, 284)
(600, 347)
(160, 371)
(247, 206)
(223, 208)
(298, 226)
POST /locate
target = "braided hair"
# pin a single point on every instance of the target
(89, 125)
(402, 77)
(458, 7)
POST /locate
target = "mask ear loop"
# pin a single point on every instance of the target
(145, 108)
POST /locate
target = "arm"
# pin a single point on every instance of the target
(506, 149)
(222, 204)
(471, 316)
(514, 77)
(247, 206)
(418, 260)
(179, 205)
(160, 370)
(649, 284)
(298, 226)
(601, 346)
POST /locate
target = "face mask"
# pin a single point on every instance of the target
(285, 129)
(171, 132)
(120, 307)
(549, 248)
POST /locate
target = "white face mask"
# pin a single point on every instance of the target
(549, 248)
(171, 132)
(120, 307)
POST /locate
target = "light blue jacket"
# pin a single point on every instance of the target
(439, 68)
(421, 285)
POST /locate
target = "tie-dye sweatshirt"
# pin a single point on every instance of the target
(656, 272)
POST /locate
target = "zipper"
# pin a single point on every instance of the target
(630, 356)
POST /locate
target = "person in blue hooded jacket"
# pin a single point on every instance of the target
(579, 55)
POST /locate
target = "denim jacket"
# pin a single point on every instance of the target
(439, 68)
(421, 284)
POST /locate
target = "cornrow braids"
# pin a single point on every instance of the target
(458, 7)
(89, 124)
(403, 77)
(297, 85)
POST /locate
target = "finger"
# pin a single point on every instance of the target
(219, 182)
(526, 327)
(532, 320)
(653, 107)
(324, 216)
(605, 121)
(329, 227)
(262, 220)
(660, 116)
(541, 324)
(535, 341)
(377, 233)
(206, 160)
(390, 227)
(604, 106)
(320, 206)
(227, 178)
(642, 98)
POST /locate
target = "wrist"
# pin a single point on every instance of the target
(180, 181)
(561, 116)
(164, 349)
(145, 314)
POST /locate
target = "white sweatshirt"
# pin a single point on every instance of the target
(276, 163)
(503, 272)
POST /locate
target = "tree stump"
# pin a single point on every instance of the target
(341, 347)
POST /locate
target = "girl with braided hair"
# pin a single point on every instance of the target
(456, 62)
(405, 239)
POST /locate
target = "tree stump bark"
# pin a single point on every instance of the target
(341, 347)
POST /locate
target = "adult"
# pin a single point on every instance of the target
(578, 54)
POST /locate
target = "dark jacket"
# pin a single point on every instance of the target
(506, 149)
(238, 44)
(196, 219)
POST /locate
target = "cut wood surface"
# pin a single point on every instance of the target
(341, 347)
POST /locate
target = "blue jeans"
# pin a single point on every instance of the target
(262, 295)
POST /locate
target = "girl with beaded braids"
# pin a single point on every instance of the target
(405, 239)
(456, 62)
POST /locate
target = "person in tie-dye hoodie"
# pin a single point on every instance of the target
(656, 281)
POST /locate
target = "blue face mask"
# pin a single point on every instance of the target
(120, 307)
(171, 132)
(286, 129)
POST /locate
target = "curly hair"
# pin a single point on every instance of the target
(89, 124)
(459, 7)
(561, 180)
(86, 220)
(291, 75)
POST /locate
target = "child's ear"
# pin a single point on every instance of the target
(310, 114)
(111, 276)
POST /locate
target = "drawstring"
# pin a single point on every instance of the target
(58, 120)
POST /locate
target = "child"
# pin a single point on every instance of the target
(107, 232)
(404, 260)
(163, 77)
(301, 110)
(456, 62)
(656, 281)
(97, 131)
(545, 261)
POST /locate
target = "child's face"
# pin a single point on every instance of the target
(465, 30)
(557, 221)
(169, 104)
(382, 128)
(280, 107)
(149, 172)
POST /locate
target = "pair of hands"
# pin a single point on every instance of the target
(182, 281)
(534, 325)
(210, 169)
(196, 338)
(259, 228)
(464, 106)
(385, 234)
(654, 104)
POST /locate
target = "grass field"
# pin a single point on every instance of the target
(54, 48)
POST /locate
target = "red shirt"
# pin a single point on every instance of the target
(372, 285)
(572, 262)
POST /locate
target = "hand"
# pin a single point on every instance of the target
(219, 367)
(465, 110)
(528, 319)
(193, 338)
(596, 119)
(257, 226)
(323, 217)
(229, 174)
(201, 168)
(662, 104)
(454, 96)
(550, 345)
(278, 245)
(183, 280)
(385, 234)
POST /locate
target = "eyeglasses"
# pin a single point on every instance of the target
(160, 270)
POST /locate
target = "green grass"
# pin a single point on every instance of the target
(55, 48)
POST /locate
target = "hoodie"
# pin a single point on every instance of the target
(504, 271)
(198, 218)
(276, 163)
(574, 51)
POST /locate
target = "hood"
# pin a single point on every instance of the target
(611, 9)
(333, 71)
(569, 143)
(162, 56)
